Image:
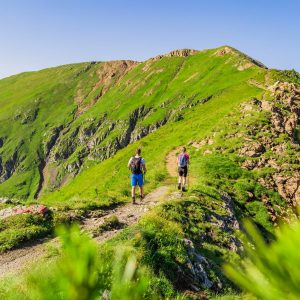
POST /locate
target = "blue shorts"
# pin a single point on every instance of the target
(137, 179)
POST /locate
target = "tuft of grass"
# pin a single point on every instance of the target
(17, 229)
(109, 223)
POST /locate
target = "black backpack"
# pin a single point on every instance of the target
(135, 165)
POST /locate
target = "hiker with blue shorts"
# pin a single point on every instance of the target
(137, 166)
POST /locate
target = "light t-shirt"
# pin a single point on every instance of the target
(142, 160)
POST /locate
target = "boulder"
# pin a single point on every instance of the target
(195, 270)
(5, 200)
(19, 209)
(253, 150)
(249, 164)
(289, 187)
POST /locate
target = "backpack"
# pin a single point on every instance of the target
(135, 165)
(182, 160)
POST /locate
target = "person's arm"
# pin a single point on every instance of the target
(144, 166)
(129, 163)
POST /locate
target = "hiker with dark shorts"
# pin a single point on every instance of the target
(183, 160)
(137, 166)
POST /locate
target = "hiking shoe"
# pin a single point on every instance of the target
(133, 200)
(183, 189)
(179, 186)
(142, 197)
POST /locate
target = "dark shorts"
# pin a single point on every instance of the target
(182, 171)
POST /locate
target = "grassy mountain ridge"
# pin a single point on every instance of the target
(65, 102)
(69, 142)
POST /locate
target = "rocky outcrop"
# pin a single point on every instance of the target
(85, 68)
(50, 141)
(287, 95)
(178, 53)
(288, 187)
(8, 167)
(27, 116)
(194, 273)
(284, 113)
(252, 150)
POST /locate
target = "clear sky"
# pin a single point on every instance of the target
(35, 34)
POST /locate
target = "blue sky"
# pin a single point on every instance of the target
(35, 34)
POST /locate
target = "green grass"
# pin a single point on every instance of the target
(18, 229)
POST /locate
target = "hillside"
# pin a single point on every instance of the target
(70, 117)
(67, 132)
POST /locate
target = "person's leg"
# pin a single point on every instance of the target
(141, 192)
(179, 178)
(141, 183)
(133, 192)
(133, 185)
(184, 179)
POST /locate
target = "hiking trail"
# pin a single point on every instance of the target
(171, 162)
(16, 260)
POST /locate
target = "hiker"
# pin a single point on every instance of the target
(183, 160)
(137, 166)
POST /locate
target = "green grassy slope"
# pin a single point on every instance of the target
(226, 86)
(31, 103)
(94, 104)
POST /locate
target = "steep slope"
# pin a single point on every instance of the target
(36, 108)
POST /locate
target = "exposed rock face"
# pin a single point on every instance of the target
(195, 270)
(66, 150)
(50, 142)
(179, 53)
(288, 95)
(283, 119)
(8, 168)
(108, 73)
(224, 50)
(228, 205)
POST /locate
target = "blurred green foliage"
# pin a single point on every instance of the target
(270, 271)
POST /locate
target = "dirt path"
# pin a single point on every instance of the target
(171, 162)
(16, 260)
(129, 214)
